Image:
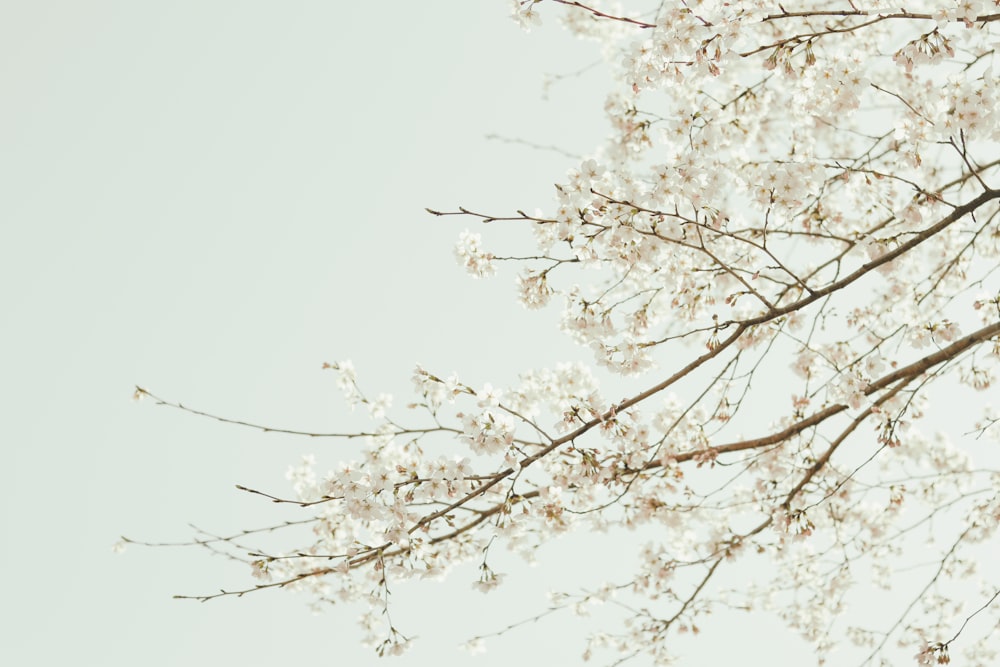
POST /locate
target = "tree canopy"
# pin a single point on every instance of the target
(802, 197)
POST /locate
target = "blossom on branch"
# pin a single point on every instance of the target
(783, 259)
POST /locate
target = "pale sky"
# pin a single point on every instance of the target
(210, 200)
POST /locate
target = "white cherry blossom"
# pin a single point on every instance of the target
(783, 259)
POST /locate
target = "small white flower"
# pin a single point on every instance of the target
(379, 406)
(523, 12)
(489, 396)
(259, 570)
(471, 255)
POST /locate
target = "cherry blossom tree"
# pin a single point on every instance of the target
(803, 194)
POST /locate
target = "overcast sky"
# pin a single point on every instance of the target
(211, 199)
